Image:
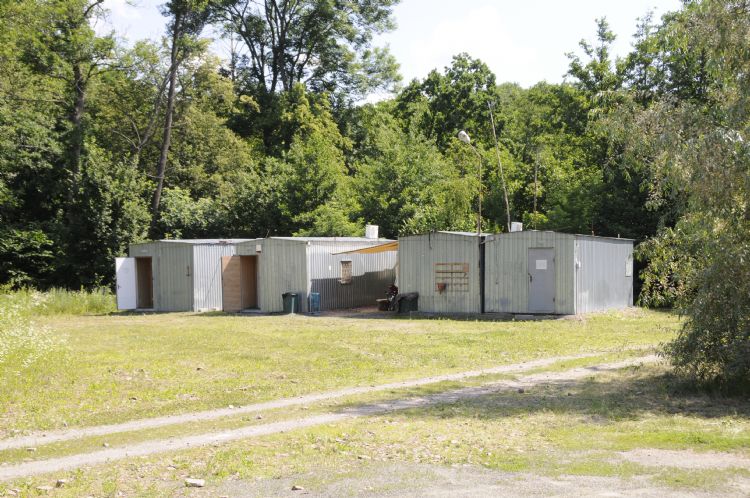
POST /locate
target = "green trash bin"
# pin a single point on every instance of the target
(291, 303)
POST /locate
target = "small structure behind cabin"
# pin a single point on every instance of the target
(327, 266)
(173, 275)
(444, 269)
(555, 273)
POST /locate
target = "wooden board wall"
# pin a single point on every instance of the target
(249, 281)
(231, 280)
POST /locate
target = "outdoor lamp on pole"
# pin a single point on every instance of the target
(464, 137)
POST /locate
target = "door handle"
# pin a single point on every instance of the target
(531, 277)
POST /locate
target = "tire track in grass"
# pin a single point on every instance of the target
(42, 438)
(198, 440)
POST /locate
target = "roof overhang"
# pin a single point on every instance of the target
(388, 246)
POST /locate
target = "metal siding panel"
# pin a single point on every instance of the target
(152, 250)
(417, 256)
(506, 276)
(176, 277)
(207, 275)
(371, 274)
(600, 279)
(283, 268)
(248, 248)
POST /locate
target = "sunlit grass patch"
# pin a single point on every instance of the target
(122, 367)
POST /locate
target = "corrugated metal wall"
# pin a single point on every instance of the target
(506, 271)
(419, 256)
(207, 275)
(149, 249)
(282, 268)
(249, 247)
(372, 274)
(173, 273)
(602, 280)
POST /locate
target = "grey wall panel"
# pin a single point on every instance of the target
(602, 280)
(172, 272)
(282, 268)
(175, 276)
(149, 249)
(420, 256)
(372, 274)
(250, 247)
(506, 270)
(207, 275)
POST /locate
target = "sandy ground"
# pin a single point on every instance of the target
(685, 459)
(426, 480)
(175, 444)
(39, 439)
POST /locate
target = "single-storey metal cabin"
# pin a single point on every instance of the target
(265, 269)
(548, 272)
(173, 275)
(444, 269)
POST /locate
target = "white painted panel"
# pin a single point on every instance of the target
(126, 284)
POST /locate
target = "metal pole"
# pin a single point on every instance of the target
(479, 216)
(536, 167)
(500, 165)
(479, 235)
(479, 212)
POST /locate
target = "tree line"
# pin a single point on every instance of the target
(103, 143)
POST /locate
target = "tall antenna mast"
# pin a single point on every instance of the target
(500, 165)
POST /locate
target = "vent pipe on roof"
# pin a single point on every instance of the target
(371, 232)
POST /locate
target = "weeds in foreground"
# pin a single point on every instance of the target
(59, 301)
(22, 342)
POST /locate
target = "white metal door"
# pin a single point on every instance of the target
(126, 283)
(541, 280)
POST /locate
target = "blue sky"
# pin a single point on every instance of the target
(523, 41)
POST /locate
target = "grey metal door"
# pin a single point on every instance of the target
(541, 280)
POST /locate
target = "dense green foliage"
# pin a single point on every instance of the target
(103, 144)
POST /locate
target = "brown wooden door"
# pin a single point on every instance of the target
(249, 281)
(145, 280)
(231, 278)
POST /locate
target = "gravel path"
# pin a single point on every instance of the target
(174, 444)
(410, 480)
(39, 439)
(685, 459)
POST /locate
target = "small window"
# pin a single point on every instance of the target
(629, 266)
(346, 272)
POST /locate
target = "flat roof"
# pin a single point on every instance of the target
(197, 241)
(449, 232)
(505, 234)
(332, 239)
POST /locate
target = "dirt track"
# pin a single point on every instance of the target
(40, 439)
(167, 445)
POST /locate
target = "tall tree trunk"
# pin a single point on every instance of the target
(167, 135)
(76, 132)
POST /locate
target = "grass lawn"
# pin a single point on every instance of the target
(112, 368)
(591, 429)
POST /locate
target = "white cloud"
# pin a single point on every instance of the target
(480, 32)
